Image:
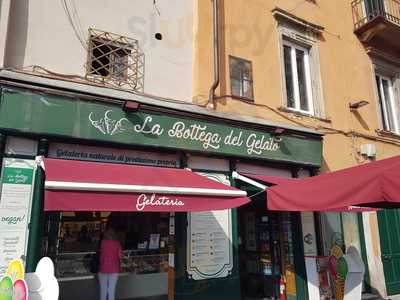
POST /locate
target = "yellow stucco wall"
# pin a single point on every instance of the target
(249, 31)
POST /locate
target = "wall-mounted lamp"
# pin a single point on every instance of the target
(358, 104)
(130, 106)
(277, 134)
(278, 131)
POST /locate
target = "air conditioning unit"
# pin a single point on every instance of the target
(368, 150)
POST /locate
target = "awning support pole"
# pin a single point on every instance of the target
(252, 182)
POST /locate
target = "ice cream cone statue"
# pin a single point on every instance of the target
(12, 285)
(339, 288)
(342, 270)
(42, 284)
(338, 268)
(355, 275)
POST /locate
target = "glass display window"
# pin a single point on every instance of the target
(73, 238)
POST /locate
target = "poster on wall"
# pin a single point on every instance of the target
(309, 237)
(209, 248)
(314, 275)
(15, 202)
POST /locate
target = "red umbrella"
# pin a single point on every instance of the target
(375, 184)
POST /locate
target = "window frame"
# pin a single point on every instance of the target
(241, 80)
(385, 123)
(295, 76)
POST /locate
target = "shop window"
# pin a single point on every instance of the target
(388, 104)
(115, 60)
(302, 84)
(241, 76)
(72, 238)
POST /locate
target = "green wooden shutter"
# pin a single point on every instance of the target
(389, 231)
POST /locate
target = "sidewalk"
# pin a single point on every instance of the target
(375, 297)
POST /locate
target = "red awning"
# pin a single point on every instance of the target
(89, 186)
(371, 185)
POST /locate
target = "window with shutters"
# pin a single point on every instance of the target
(301, 79)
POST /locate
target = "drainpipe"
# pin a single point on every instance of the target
(211, 97)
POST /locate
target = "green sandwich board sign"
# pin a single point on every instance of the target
(16, 191)
(62, 116)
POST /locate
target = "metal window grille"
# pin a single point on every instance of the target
(114, 60)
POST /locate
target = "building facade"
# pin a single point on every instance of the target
(315, 64)
(66, 30)
(96, 90)
(68, 125)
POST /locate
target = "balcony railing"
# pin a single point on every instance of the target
(366, 11)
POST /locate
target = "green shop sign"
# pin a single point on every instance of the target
(54, 115)
(13, 175)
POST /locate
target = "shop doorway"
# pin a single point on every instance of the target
(265, 251)
(72, 239)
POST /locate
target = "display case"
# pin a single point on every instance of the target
(71, 265)
(140, 263)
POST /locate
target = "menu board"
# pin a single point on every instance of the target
(209, 249)
(15, 202)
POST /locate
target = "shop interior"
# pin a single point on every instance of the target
(73, 238)
(265, 251)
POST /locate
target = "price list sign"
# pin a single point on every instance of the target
(210, 245)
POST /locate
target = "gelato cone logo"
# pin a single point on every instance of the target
(106, 125)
